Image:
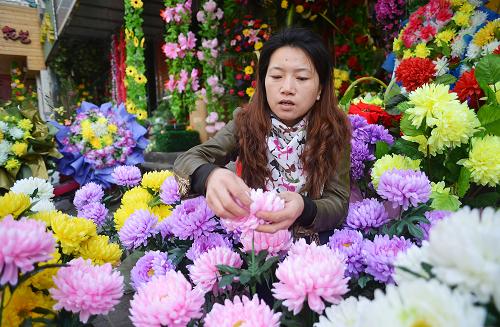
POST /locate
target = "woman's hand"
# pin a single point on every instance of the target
(283, 219)
(224, 188)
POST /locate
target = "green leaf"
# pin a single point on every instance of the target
(261, 257)
(427, 268)
(400, 225)
(403, 106)
(268, 264)
(381, 149)
(407, 128)
(463, 182)
(489, 199)
(416, 231)
(488, 69)
(226, 280)
(363, 280)
(395, 101)
(445, 79)
(443, 201)
(245, 277)
(228, 269)
(489, 116)
(407, 148)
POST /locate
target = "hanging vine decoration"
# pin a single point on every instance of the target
(135, 81)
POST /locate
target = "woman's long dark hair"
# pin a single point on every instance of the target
(328, 129)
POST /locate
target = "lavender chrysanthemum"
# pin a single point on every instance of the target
(380, 255)
(350, 243)
(404, 187)
(163, 227)
(206, 242)
(191, 219)
(90, 192)
(153, 263)
(378, 133)
(169, 191)
(357, 122)
(433, 217)
(366, 214)
(129, 176)
(137, 229)
(95, 211)
(359, 154)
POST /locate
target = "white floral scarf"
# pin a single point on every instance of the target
(285, 145)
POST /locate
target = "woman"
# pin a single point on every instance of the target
(291, 137)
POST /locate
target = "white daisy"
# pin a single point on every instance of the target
(458, 46)
(345, 314)
(29, 185)
(4, 127)
(473, 51)
(16, 133)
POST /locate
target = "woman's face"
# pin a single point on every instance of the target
(292, 84)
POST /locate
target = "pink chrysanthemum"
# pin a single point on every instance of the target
(23, 243)
(167, 300)
(261, 201)
(242, 312)
(404, 187)
(87, 289)
(204, 272)
(311, 272)
(275, 244)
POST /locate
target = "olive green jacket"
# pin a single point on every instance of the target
(222, 148)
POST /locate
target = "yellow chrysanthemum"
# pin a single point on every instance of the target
(422, 51)
(96, 143)
(101, 251)
(484, 160)
(87, 132)
(246, 32)
(112, 128)
(43, 279)
(140, 79)
(71, 232)
(284, 4)
(20, 86)
(25, 124)
(14, 204)
(454, 124)
(19, 305)
(131, 71)
(136, 3)
(456, 3)
(248, 70)
(467, 8)
(161, 211)
(12, 164)
(250, 91)
(131, 107)
(46, 216)
(123, 213)
(407, 53)
(136, 195)
(263, 26)
(444, 37)
(299, 9)
(426, 99)
(154, 179)
(107, 140)
(461, 18)
(258, 45)
(486, 34)
(388, 162)
(141, 114)
(19, 148)
(337, 83)
(20, 98)
(397, 44)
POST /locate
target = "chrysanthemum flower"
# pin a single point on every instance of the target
(404, 187)
(72, 232)
(87, 289)
(42, 280)
(167, 300)
(169, 191)
(44, 190)
(484, 160)
(350, 243)
(204, 273)
(389, 162)
(101, 251)
(137, 229)
(152, 263)
(274, 243)
(366, 214)
(313, 273)
(433, 217)
(154, 179)
(191, 219)
(206, 242)
(468, 89)
(129, 176)
(125, 211)
(24, 243)
(426, 100)
(94, 211)
(380, 254)
(90, 192)
(13, 204)
(261, 201)
(415, 72)
(344, 314)
(242, 312)
(422, 303)
(136, 195)
(20, 305)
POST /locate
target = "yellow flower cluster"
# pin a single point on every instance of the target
(394, 161)
(137, 4)
(452, 123)
(71, 232)
(100, 250)
(487, 34)
(98, 140)
(154, 179)
(19, 305)
(339, 76)
(13, 204)
(422, 51)
(139, 78)
(484, 160)
(444, 37)
(43, 279)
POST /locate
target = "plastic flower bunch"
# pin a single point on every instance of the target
(485, 41)
(441, 120)
(15, 133)
(104, 137)
(484, 160)
(340, 80)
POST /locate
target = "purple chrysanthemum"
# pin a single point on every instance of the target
(163, 227)
(169, 191)
(206, 242)
(90, 192)
(359, 154)
(366, 214)
(191, 219)
(380, 254)
(152, 263)
(433, 217)
(357, 122)
(129, 176)
(378, 133)
(404, 187)
(350, 243)
(138, 228)
(95, 211)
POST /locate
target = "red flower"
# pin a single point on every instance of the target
(469, 90)
(361, 39)
(341, 50)
(427, 32)
(353, 63)
(497, 50)
(231, 91)
(415, 72)
(374, 114)
(239, 76)
(241, 93)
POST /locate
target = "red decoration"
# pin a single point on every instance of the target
(469, 90)
(415, 72)
(374, 114)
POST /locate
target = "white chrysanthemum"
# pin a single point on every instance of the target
(29, 185)
(43, 205)
(16, 133)
(422, 303)
(458, 46)
(473, 51)
(410, 259)
(345, 314)
(4, 127)
(478, 18)
(490, 47)
(100, 129)
(441, 66)
(463, 250)
(5, 146)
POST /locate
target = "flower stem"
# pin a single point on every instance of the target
(1, 304)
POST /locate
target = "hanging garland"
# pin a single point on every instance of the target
(118, 57)
(208, 55)
(179, 49)
(135, 80)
